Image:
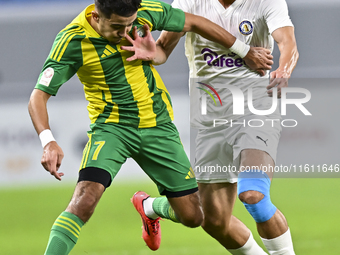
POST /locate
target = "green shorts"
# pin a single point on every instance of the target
(157, 150)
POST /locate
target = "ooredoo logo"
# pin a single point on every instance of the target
(213, 59)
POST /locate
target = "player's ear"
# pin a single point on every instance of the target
(95, 16)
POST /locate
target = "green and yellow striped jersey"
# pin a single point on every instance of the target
(118, 91)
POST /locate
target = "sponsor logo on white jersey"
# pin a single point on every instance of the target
(213, 59)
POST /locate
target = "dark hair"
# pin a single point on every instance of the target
(124, 8)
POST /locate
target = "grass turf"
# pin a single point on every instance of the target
(310, 205)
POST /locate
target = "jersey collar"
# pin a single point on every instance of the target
(226, 11)
(81, 20)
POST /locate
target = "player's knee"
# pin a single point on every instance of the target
(84, 202)
(214, 225)
(84, 207)
(251, 197)
(87, 202)
(193, 219)
(253, 191)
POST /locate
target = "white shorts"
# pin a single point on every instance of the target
(218, 149)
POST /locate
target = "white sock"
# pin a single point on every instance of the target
(251, 247)
(147, 206)
(281, 245)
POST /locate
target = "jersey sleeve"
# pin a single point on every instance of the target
(161, 16)
(276, 14)
(184, 5)
(63, 62)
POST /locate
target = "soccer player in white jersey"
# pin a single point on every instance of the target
(256, 23)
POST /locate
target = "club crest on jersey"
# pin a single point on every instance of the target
(246, 27)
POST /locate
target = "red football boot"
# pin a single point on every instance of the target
(151, 228)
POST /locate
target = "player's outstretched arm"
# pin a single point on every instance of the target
(258, 59)
(289, 55)
(166, 43)
(53, 154)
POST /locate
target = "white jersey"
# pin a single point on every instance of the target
(252, 22)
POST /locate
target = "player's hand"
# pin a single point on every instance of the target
(51, 159)
(259, 59)
(278, 79)
(144, 47)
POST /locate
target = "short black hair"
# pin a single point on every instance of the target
(124, 8)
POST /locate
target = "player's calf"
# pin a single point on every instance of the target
(188, 209)
(253, 191)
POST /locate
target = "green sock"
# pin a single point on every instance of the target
(163, 209)
(64, 234)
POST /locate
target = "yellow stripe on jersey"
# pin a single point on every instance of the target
(135, 76)
(66, 36)
(114, 115)
(143, 21)
(110, 49)
(151, 9)
(152, 4)
(161, 86)
(65, 45)
(94, 84)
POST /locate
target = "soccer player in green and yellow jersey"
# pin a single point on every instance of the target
(130, 111)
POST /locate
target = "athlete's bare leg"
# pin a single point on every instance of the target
(85, 199)
(188, 209)
(218, 201)
(277, 225)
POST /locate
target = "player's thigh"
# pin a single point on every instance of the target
(164, 160)
(255, 157)
(214, 156)
(106, 150)
(256, 147)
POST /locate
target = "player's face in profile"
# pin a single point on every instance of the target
(114, 28)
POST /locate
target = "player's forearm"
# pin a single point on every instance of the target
(208, 30)
(166, 43)
(37, 109)
(161, 56)
(289, 56)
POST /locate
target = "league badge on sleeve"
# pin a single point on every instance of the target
(246, 27)
(47, 77)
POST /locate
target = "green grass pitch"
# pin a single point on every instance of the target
(312, 207)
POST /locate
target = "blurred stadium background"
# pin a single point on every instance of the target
(30, 199)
